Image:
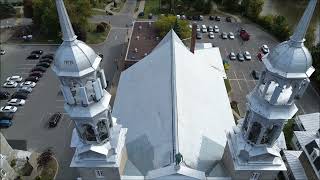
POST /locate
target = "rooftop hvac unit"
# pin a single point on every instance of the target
(157, 38)
(149, 24)
(145, 54)
(135, 50)
(140, 27)
(138, 37)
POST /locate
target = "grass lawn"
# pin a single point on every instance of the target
(151, 6)
(93, 37)
(228, 86)
(49, 171)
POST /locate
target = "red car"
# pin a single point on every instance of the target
(244, 35)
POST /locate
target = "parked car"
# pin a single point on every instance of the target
(198, 28)
(19, 95)
(28, 83)
(15, 78)
(231, 35)
(54, 119)
(265, 49)
(141, 14)
(33, 56)
(232, 56)
(16, 102)
(211, 18)
(217, 18)
(25, 89)
(4, 95)
(2, 52)
(204, 28)
(200, 18)
(247, 55)
(228, 19)
(4, 115)
(43, 64)
(244, 35)
(5, 123)
(211, 35)
(47, 56)
(46, 60)
(38, 68)
(36, 74)
(189, 17)
(215, 29)
(8, 109)
(240, 57)
(255, 74)
(199, 35)
(210, 29)
(10, 84)
(32, 79)
(224, 35)
(39, 52)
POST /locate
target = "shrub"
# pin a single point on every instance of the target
(100, 28)
(37, 178)
(13, 162)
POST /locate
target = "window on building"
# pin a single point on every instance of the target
(255, 176)
(254, 132)
(99, 174)
(88, 132)
(298, 145)
(102, 130)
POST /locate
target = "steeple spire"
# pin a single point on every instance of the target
(301, 29)
(65, 25)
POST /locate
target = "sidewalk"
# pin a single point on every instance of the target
(140, 8)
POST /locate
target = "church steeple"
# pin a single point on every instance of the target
(302, 27)
(65, 24)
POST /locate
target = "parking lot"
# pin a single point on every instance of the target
(239, 74)
(30, 123)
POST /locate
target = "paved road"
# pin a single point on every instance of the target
(30, 122)
(239, 74)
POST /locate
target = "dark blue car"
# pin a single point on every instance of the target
(5, 123)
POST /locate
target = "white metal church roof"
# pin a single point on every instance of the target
(173, 99)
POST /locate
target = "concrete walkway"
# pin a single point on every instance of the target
(140, 8)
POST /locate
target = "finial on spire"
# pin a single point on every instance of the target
(65, 25)
(301, 29)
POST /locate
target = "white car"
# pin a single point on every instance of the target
(28, 83)
(16, 102)
(211, 35)
(231, 35)
(247, 55)
(9, 109)
(265, 49)
(15, 78)
(232, 56)
(204, 28)
(10, 84)
(2, 52)
(216, 29)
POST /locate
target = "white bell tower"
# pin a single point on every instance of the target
(251, 152)
(98, 140)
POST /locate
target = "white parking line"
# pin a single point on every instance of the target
(246, 81)
(237, 81)
(23, 68)
(60, 100)
(43, 116)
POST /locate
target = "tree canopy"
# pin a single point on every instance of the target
(45, 15)
(6, 10)
(165, 23)
(252, 8)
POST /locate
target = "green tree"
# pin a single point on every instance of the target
(280, 28)
(310, 36)
(6, 10)
(46, 19)
(166, 23)
(232, 5)
(266, 21)
(176, 28)
(315, 52)
(252, 8)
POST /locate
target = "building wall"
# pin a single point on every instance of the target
(295, 144)
(308, 169)
(244, 174)
(108, 173)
